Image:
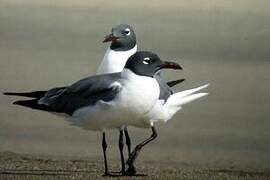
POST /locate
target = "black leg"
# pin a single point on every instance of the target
(121, 147)
(128, 142)
(131, 168)
(104, 147)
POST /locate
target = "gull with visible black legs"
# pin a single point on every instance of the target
(123, 45)
(106, 101)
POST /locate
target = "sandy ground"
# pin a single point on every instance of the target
(16, 166)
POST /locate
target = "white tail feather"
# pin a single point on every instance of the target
(187, 99)
(175, 101)
(189, 91)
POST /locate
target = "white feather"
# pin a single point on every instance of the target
(164, 112)
(114, 61)
(189, 91)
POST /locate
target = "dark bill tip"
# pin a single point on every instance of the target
(170, 65)
(109, 38)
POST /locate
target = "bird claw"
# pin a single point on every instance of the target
(131, 170)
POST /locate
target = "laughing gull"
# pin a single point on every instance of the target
(109, 100)
(123, 45)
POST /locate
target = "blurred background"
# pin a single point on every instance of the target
(48, 43)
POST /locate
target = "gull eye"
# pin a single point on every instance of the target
(146, 60)
(127, 31)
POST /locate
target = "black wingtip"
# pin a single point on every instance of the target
(27, 103)
(34, 94)
(32, 103)
(175, 82)
(7, 93)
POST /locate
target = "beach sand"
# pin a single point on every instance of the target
(16, 166)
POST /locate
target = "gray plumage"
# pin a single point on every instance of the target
(82, 93)
(165, 90)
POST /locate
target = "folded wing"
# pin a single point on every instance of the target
(83, 93)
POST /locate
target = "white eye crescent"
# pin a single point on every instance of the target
(127, 31)
(146, 60)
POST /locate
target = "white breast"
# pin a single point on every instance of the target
(114, 61)
(139, 93)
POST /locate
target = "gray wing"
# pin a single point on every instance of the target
(85, 92)
(165, 90)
